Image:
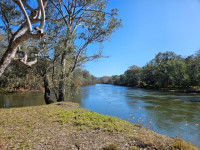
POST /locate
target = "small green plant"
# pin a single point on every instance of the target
(181, 145)
(111, 147)
(40, 134)
(135, 148)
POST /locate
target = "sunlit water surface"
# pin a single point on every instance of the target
(173, 114)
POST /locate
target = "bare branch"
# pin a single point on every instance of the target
(57, 19)
(78, 55)
(60, 11)
(24, 58)
(40, 3)
(27, 6)
(21, 6)
(74, 5)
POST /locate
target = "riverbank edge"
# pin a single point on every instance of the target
(21, 91)
(176, 90)
(171, 89)
(68, 126)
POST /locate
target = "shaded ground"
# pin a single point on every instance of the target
(67, 126)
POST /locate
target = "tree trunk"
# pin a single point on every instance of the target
(6, 59)
(20, 36)
(47, 93)
(61, 97)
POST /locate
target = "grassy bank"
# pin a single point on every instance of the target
(67, 126)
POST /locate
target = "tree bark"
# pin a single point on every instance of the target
(6, 60)
(61, 96)
(47, 93)
(20, 36)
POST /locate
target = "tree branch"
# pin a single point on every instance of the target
(60, 11)
(27, 6)
(24, 58)
(21, 6)
(40, 3)
(57, 19)
(78, 55)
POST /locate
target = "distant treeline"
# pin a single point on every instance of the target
(164, 71)
(19, 78)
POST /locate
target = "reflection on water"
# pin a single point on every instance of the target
(173, 114)
(21, 99)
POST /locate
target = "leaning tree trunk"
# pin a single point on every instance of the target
(6, 59)
(47, 92)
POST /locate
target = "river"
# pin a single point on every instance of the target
(172, 114)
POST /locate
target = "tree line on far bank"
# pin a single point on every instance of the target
(166, 70)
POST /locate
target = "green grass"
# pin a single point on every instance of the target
(84, 118)
(182, 145)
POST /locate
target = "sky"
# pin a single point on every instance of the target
(149, 27)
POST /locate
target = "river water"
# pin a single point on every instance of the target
(172, 114)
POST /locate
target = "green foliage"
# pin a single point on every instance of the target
(182, 145)
(166, 70)
(83, 77)
(135, 148)
(19, 78)
(9, 13)
(106, 80)
(133, 76)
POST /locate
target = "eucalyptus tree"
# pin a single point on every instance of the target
(82, 23)
(18, 18)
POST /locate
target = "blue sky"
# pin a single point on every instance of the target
(149, 27)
